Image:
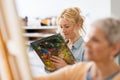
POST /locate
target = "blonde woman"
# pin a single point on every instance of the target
(70, 23)
(102, 46)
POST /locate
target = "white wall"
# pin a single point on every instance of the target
(44, 8)
(91, 9)
(115, 8)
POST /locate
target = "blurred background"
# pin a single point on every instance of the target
(24, 21)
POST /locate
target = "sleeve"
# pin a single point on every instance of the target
(72, 72)
(83, 53)
(61, 74)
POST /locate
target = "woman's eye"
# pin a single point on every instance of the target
(95, 40)
(61, 27)
(66, 26)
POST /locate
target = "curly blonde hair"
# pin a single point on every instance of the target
(73, 15)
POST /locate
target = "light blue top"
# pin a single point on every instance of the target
(78, 50)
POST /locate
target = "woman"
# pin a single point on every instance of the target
(71, 22)
(102, 46)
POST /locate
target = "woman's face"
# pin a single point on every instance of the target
(97, 46)
(68, 29)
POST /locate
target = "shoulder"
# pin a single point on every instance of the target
(77, 70)
(83, 65)
(80, 66)
(79, 43)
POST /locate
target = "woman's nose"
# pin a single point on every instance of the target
(63, 30)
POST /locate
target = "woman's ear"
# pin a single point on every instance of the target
(116, 49)
(78, 26)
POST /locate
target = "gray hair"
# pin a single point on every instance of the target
(111, 28)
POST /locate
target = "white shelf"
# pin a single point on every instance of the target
(36, 35)
(39, 27)
(39, 32)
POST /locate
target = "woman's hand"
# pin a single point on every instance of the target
(59, 63)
